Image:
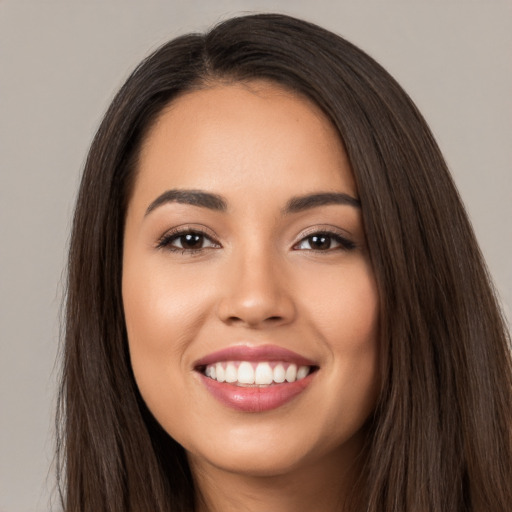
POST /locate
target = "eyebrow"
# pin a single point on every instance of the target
(218, 203)
(193, 197)
(301, 203)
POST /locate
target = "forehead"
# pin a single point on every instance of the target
(243, 136)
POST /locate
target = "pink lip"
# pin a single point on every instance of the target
(254, 354)
(255, 399)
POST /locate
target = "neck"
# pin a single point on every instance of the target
(321, 485)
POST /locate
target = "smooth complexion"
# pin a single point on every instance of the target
(260, 268)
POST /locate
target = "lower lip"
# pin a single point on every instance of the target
(256, 399)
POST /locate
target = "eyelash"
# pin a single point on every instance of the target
(344, 243)
(167, 240)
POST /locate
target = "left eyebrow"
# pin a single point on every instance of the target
(301, 203)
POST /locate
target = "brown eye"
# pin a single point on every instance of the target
(325, 242)
(320, 242)
(192, 241)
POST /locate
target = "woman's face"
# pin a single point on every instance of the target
(250, 301)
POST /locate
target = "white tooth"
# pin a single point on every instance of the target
(213, 373)
(208, 371)
(219, 371)
(302, 372)
(279, 374)
(245, 373)
(291, 373)
(231, 374)
(263, 374)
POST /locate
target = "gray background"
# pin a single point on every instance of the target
(62, 61)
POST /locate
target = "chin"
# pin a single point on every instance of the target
(253, 461)
(267, 452)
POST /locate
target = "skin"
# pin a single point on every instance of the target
(256, 280)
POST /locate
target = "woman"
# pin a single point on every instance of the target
(276, 301)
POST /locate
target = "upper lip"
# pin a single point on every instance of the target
(254, 354)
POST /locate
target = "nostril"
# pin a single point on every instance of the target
(270, 319)
(254, 308)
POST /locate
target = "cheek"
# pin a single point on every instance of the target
(152, 313)
(163, 307)
(344, 307)
(347, 323)
(164, 310)
(356, 329)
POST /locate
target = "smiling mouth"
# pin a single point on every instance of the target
(256, 374)
(255, 379)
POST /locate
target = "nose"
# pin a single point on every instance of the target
(257, 293)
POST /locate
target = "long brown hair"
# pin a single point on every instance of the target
(440, 439)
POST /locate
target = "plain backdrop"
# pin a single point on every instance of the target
(60, 64)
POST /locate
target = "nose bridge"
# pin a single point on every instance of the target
(256, 291)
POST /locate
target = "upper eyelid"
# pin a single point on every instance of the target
(323, 228)
(190, 228)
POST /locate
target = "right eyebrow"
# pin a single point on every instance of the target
(192, 197)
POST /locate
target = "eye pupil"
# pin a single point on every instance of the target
(320, 241)
(191, 240)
